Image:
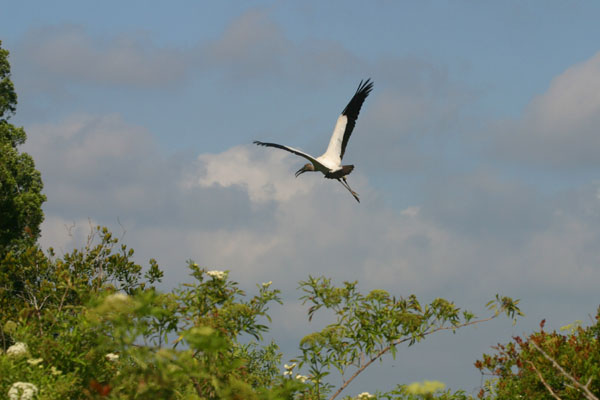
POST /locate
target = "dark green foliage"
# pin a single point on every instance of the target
(21, 185)
(32, 283)
(8, 96)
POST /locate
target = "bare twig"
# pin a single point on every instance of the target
(539, 374)
(196, 385)
(122, 229)
(3, 338)
(69, 229)
(584, 388)
(60, 306)
(30, 298)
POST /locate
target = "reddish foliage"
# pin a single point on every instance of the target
(519, 364)
(101, 389)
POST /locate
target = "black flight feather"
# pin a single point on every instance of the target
(353, 109)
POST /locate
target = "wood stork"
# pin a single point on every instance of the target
(330, 163)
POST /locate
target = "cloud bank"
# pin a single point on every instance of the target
(242, 209)
(559, 128)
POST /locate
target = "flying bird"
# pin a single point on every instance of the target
(330, 163)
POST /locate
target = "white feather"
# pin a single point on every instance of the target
(334, 150)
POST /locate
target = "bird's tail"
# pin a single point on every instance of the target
(340, 173)
(346, 169)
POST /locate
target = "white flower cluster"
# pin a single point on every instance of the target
(217, 274)
(116, 298)
(35, 361)
(22, 391)
(288, 369)
(16, 350)
(116, 302)
(302, 378)
(112, 357)
(364, 396)
(267, 284)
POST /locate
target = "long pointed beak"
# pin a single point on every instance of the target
(300, 171)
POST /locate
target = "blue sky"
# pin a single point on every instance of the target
(476, 154)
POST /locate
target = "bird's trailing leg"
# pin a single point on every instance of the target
(345, 184)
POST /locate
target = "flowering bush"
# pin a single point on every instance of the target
(18, 349)
(22, 391)
(364, 396)
(217, 274)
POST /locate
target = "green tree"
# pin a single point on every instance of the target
(21, 185)
(369, 326)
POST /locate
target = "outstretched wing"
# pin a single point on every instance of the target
(291, 150)
(346, 121)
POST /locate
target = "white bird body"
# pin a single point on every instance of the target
(330, 162)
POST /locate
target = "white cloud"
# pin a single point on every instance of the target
(100, 161)
(572, 100)
(265, 174)
(411, 211)
(559, 127)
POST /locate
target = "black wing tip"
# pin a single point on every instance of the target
(353, 107)
(259, 143)
(365, 86)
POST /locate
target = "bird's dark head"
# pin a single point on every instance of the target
(307, 167)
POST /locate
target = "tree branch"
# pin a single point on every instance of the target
(399, 341)
(544, 381)
(589, 395)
